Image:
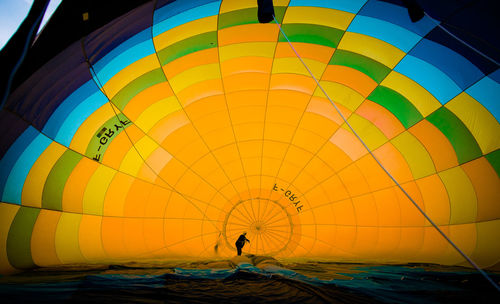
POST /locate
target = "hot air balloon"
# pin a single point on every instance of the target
(176, 126)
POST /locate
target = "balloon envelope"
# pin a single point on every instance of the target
(173, 129)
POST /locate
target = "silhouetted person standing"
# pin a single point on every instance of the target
(241, 242)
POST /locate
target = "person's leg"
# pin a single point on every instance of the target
(239, 250)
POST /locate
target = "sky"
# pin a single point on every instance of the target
(12, 14)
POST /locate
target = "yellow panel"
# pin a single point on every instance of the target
(93, 199)
(88, 128)
(35, 181)
(373, 48)
(294, 65)
(43, 242)
(318, 15)
(7, 214)
(129, 73)
(483, 126)
(415, 154)
(257, 49)
(133, 161)
(74, 188)
(424, 101)
(487, 251)
(234, 5)
(156, 112)
(184, 31)
(463, 200)
(90, 238)
(67, 238)
(486, 185)
(195, 75)
(368, 132)
(341, 94)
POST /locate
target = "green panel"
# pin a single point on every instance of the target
(374, 69)
(19, 238)
(187, 46)
(457, 133)
(397, 104)
(494, 159)
(104, 135)
(54, 185)
(136, 86)
(312, 33)
(246, 16)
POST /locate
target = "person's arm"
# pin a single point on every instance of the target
(247, 240)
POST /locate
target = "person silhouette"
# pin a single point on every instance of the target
(241, 242)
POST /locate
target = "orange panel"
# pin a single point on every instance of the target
(246, 64)
(381, 117)
(366, 211)
(350, 77)
(486, 185)
(388, 206)
(376, 177)
(190, 61)
(293, 82)
(440, 149)
(74, 189)
(167, 125)
(435, 196)
(133, 229)
(91, 238)
(43, 243)
(137, 197)
(200, 90)
(146, 98)
(248, 33)
(394, 162)
(354, 180)
(114, 202)
(410, 216)
(113, 236)
(246, 81)
(306, 50)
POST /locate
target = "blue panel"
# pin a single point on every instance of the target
(67, 106)
(174, 8)
(125, 54)
(495, 75)
(10, 158)
(14, 186)
(78, 116)
(393, 34)
(397, 15)
(487, 92)
(429, 77)
(17, 162)
(210, 9)
(458, 68)
(351, 6)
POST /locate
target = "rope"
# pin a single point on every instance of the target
(383, 168)
(438, 24)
